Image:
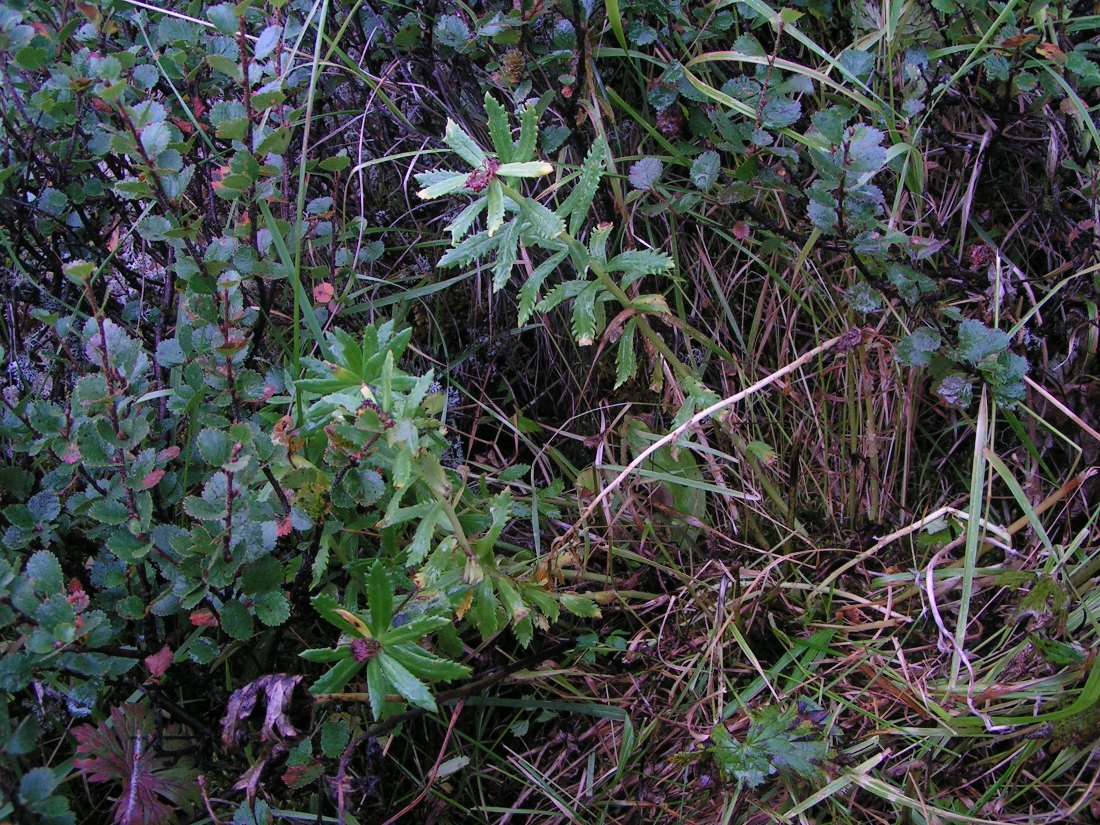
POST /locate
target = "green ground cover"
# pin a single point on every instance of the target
(549, 411)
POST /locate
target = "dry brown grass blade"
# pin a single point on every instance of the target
(1066, 411)
(849, 338)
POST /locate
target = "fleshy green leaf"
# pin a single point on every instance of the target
(507, 253)
(576, 206)
(334, 737)
(380, 595)
(597, 241)
(463, 145)
(267, 41)
(224, 18)
(529, 169)
(426, 665)
(44, 507)
(451, 31)
(821, 207)
(224, 65)
(746, 765)
(443, 184)
(421, 542)
(411, 688)
(494, 217)
(528, 134)
(465, 220)
(376, 687)
(626, 363)
(36, 785)
(560, 293)
(1006, 376)
(499, 130)
(474, 247)
(337, 677)
(529, 292)
(581, 606)
(544, 221)
(414, 631)
(910, 283)
(863, 297)
(483, 612)
(266, 573)
(640, 262)
(779, 112)
(584, 314)
(831, 122)
(325, 654)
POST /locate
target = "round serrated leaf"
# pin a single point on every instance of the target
(215, 446)
(272, 608)
(645, 173)
(155, 139)
(334, 737)
(264, 574)
(44, 506)
(37, 785)
(236, 620)
(224, 18)
(705, 169)
(267, 41)
(44, 572)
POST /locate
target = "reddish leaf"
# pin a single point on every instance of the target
(217, 175)
(168, 453)
(76, 596)
(283, 432)
(741, 230)
(121, 750)
(203, 618)
(1051, 51)
(158, 662)
(71, 454)
(323, 293)
(151, 480)
(91, 12)
(1018, 41)
(285, 527)
(298, 776)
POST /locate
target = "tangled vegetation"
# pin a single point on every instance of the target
(549, 411)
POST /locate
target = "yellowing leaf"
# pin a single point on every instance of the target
(354, 621)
